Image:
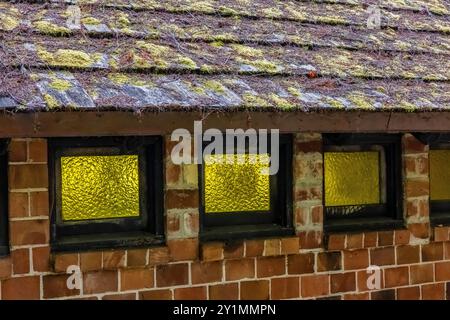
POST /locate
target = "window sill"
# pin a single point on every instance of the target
(244, 232)
(4, 251)
(440, 219)
(363, 224)
(106, 241)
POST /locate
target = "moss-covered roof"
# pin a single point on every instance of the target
(225, 54)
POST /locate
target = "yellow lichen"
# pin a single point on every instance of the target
(272, 12)
(8, 23)
(361, 101)
(91, 21)
(187, 62)
(215, 86)
(281, 102)
(121, 78)
(294, 92)
(60, 85)
(122, 20)
(51, 101)
(49, 28)
(247, 51)
(262, 65)
(67, 58)
(252, 100)
(202, 6)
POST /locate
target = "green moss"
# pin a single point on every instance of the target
(227, 11)
(207, 68)
(294, 92)
(49, 28)
(336, 104)
(187, 62)
(121, 78)
(262, 65)
(51, 101)
(215, 86)
(217, 44)
(281, 102)
(91, 21)
(272, 12)
(67, 58)
(247, 51)
(361, 101)
(202, 6)
(252, 100)
(60, 85)
(122, 20)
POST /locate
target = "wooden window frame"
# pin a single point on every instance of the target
(145, 230)
(439, 209)
(4, 245)
(369, 217)
(247, 225)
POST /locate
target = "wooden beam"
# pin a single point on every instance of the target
(75, 123)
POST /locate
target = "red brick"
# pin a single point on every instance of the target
(357, 296)
(91, 261)
(18, 204)
(254, 248)
(173, 174)
(315, 285)
(227, 291)
(363, 276)
(310, 239)
(233, 251)
(240, 269)
(272, 247)
(113, 259)
(182, 199)
(336, 242)
(55, 286)
(183, 249)
(17, 151)
(120, 296)
(434, 291)
(417, 188)
(290, 245)
(5, 267)
(412, 145)
(63, 261)
(41, 259)
(382, 256)
(383, 295)
(343, 282)
(37, 150)
(159, 255)
(356, 259)
(156, 295)
(443, 271)
(432, 251)
(191, 293)
(212, 251)
(270, 266)
(447, 250)
(408, 293)
(28, 176)
(421, 273)
(172, 275)
(370, 239)
(29, 232)
(317, 215)
(354, 241)
(136, 257)
(255, 290)
(385, 238)
(173, 224)
(203, 272)
(309, 146)
(133, 279)
(417, 208)
(23, 288)
(285, 288)
(301, 263)
(21, 261)
(402, 237)
(419, 230)
(100, 281)
(396, 277)
(441, 234)
(39, 203)
(408, 254)
(329, 261)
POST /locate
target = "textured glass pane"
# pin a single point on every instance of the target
(232, 186)
(440, 174)
(100, 187)
(352, 178)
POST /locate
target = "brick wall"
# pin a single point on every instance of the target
(415, 261)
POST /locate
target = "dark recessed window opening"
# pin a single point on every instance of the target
(106, 192)
(4, 246)
(238, 201)
(362, 181)
(439, 166)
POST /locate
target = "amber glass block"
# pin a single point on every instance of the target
(352, 178)
(233, 185)
(100, 187)
(440, 174)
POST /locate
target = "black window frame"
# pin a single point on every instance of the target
(4, 239)
(386, 216)
(247, 225)
(439, 209)
(145, 230)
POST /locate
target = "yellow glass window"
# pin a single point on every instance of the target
(100, 187)
(352, 178)
(439, 174)
(235, 186)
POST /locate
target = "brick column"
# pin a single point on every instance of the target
(182, 207)
(308, 185)
(416, 188)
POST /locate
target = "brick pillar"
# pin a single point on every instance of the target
(308, 185)
(182, 207)
(416, 188)
(29, 218)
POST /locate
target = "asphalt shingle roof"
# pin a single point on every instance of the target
(225, 54)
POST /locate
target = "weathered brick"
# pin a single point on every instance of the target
(17, 151)
(382, 256)
(290, 245)
(383, 295)
(21, 261)
(255, 290)
(233, 250)
(402, 237)
(23, 288)
(385, 238)
(421, 273)
(336, 242)
(329, 261)
(212, 251)
(159, 255)
(91, 261)
(432, 251)
(343, 282)
(310, 239)
(301, 263)
(28, 232)
(100, 281)
(37, 150)
(420, 230)
(315, 285)
(408, 254)
(39, 203)
(270, 266)
(443, 271)
(254, 248)
(354, 241)
(226, 291)
(441, 234)
(114, 259)
(417, 188)
(55, 286)
(412, 145)
(134, 279)
(5, 267)
(18, 204)
(172, 275)
(408, 293)
(239, 269)
(356, 259)
(433, 291)
(41, 259)
(357, 296)
(28, 176)
(363, 277)
(396, 277)
(203, 272)
(272, 247)
(191, 293)
(370, 239)
(120, 296)
(285, 288)
(63, 261)
(156, 295)
(136, 257)
(182, 199)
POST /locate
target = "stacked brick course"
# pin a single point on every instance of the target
(414, 261)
